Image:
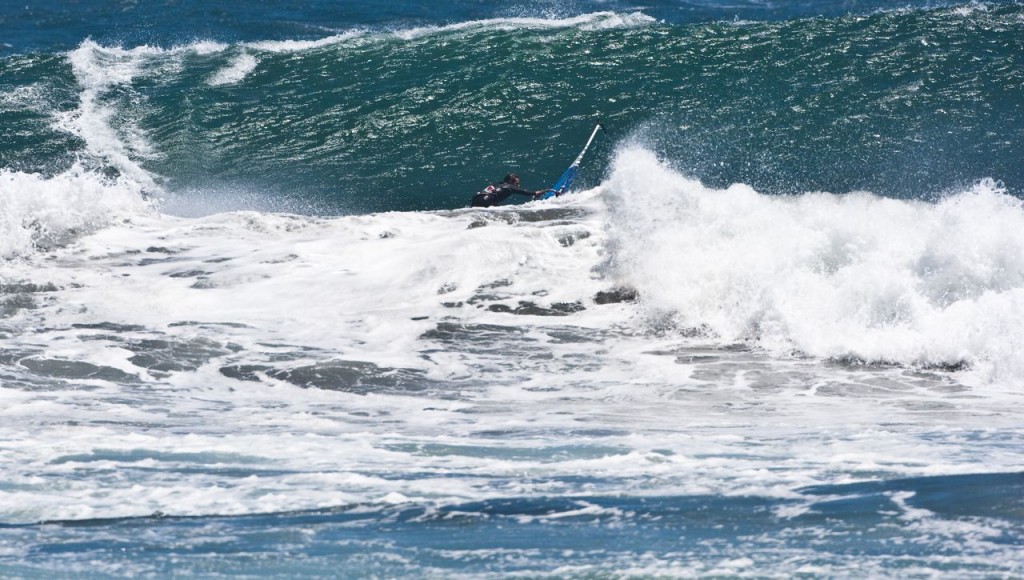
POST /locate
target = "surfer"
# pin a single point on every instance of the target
(498, 192)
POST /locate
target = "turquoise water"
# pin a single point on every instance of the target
(652, 536)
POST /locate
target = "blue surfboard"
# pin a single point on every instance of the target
(565, 181)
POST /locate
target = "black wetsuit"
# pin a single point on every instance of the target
(497, 193)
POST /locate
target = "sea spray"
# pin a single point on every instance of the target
(833, 276)
(37, 212)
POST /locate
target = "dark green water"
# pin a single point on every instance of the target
(905, 103)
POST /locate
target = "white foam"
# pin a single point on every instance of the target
(970, 9)
(35, 210)
(296, 262)
(529, 406)
(99, 69)
(592, 21)
(110, 127)
(829, 275)
(304, 45)
(240, 66)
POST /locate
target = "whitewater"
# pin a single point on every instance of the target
(655, 375)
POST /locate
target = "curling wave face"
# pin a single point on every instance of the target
(353, 122)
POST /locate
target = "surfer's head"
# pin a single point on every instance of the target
(512, 179)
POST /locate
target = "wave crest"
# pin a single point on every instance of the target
(834, 276)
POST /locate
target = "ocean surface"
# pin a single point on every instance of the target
(248, 326)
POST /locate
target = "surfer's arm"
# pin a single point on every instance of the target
(523, 191)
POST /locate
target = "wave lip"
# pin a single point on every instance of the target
(852, 277)
(592, 21)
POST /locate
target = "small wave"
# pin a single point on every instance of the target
(592, 21)
(240, 67)
(99, 69)
(302, 45)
